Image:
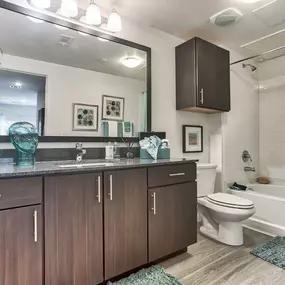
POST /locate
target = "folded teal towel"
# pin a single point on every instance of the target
(127, 125)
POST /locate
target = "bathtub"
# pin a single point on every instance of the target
(269, 202)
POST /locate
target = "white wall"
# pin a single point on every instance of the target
(272, 114)
(240, 127)
(67, 85)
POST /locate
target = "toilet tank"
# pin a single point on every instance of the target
(206, 176)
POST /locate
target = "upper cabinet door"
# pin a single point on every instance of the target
(73, 230)
(21, 246)
(202, 77)
(125, 218)
(213, 76)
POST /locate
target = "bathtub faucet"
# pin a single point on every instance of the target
(249, 169)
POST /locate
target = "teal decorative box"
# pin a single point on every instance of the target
(163, 153)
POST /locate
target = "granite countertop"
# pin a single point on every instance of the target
(10, 170)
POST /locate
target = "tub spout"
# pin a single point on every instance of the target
(249, 169)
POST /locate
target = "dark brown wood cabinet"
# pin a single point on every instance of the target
(73, 230)
(125, 220)
(21, 246)
(96, 226)
(172, 219)
(202, 77)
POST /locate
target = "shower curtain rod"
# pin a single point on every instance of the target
(255, 56)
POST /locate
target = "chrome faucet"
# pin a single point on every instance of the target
(249, 169)
(80, 155)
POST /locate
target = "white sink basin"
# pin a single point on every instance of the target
(83, 165)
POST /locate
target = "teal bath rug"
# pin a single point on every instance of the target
(154, 275)
(272, 251)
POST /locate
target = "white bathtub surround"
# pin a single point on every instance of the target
(269, 201)
(240, 127)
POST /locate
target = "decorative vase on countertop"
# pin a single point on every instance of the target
(24, 137)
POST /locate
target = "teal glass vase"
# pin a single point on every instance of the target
(25, 138)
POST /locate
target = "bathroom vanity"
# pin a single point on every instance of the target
(85, 225)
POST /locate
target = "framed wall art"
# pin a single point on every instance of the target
(192, 138)
(113, 108)
(85, 117)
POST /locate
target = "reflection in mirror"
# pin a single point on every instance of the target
(68, 83)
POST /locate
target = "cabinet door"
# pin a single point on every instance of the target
(213, 76)
(73, 230)
(21, 246)
(172, 219)
(125, 218)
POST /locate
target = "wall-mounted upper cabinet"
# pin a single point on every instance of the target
(202, 77)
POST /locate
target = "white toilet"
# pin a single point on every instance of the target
(221, 213)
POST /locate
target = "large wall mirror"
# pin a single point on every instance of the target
(71, 83)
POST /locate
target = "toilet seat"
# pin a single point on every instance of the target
(230, 201)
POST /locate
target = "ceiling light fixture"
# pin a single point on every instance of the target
(41, 4)
(102, 40)
(35, 20)
(82, 33)
(131, 61)
(114, 22)
(60, 27)
(93, 14)
(18, 84)
(69, 8)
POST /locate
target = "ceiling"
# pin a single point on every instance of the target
(188, 18)
(40, 41)
(27, 95)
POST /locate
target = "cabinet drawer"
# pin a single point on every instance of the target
(20, 192)
(171, 174)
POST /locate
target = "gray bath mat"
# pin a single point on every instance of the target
(154, 275)
(272, 251)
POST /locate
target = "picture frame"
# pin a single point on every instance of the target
(192, 137)
(113, 108)
(85, 117)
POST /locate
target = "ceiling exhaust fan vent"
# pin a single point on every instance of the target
(226, 17)
(65, 40)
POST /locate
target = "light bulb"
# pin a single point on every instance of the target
(35, 20)
(131, 61)
(114, 22)
(69, 8)
(93, 15)
(41, 4)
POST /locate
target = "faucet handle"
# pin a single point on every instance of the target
(79, 145)
(84, 151)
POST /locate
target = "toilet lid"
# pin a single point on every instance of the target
(230, 200)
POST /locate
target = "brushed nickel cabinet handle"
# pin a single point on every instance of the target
(98, 196)
(111, 188)
(153, 195)
(202, 96)
(35, 226)
(177, 174)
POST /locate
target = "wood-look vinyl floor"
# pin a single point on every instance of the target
(211, 263)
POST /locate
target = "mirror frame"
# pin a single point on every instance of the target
(93, 32)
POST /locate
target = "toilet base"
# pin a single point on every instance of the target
(230, 233)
